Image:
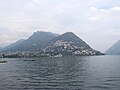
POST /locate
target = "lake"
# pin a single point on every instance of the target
(64, 73)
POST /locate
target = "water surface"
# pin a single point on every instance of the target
(65, 73)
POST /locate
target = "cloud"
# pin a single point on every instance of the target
(36, 1)
(115, 8)
(93, 18)
(93, 21)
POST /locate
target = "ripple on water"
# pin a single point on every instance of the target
(66, 73)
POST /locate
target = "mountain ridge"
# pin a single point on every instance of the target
(35, 41)
(50, 44)
(114, 50)
(69, 44)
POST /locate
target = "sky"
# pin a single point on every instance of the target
(97, 22)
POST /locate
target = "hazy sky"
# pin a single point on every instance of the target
(95, 21)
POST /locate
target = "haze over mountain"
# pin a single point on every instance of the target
(0, 48)
(13, 45)
(36, 41)
(114, 50)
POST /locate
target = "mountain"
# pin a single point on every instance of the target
(71, 37)
(36, 41)
(69, 44)
(114, 50)
(0, 48)
(50, 44)
(10, 47)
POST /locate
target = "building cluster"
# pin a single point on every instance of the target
(57, 49)
(27, 54)
(69, 48)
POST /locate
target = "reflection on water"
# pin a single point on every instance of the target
(66, 73)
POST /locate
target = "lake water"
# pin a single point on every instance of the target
(65, 73)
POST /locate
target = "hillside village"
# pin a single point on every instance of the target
(62, 45)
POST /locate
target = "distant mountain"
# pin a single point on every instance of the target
(14, 45)
(0, 48)
(114, 50)
(36, 41)
(69, 44)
